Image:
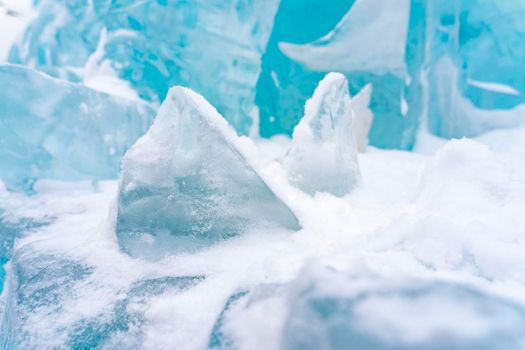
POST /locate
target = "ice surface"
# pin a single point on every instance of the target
(186, 183)
(323, 156)
(214, 48)
(9, 232)
(328, 309)
(329, 312)
(48, 286)
(58, 130)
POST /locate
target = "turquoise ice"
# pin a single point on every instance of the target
(213, 47)
(48, 284)
(475, 72)
(188, 183)
(53, 129)
(297, 58)
(262, 60)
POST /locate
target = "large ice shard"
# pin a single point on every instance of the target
(213, 47)
(323, 156)
(293, 66)
(186, 183)
(59, 130)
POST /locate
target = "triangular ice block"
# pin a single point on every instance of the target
(186, 183)
(323, 156)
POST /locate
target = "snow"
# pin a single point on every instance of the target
(13, 16)
(455, 215)
(496, 87)
(370, 37)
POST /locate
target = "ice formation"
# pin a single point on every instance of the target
(296, 62)
(323, 156)
(186, 183)
(329, 309)
(46, 283)
(214, 48)
(58, 130)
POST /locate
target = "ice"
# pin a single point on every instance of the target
(53, 129)
(470, 59)
(187, 184)
(362, 117)
(49, 285)
(9, 232)
(323, 156)
(363, 313)
(303, 48)
(329, 309)
(214, 48)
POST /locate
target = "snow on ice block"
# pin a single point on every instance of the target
(186, 183)
(9, 232)
(370, 37)
(53, 301)
(323, 156)
(327, 309)
(398, 314)
(59, 130)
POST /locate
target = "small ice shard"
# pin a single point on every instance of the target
(54, 129)
(323, 156)
(370, 37)
(362, 117)
(186, 183)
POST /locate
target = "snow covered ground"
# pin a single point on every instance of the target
(453, 214)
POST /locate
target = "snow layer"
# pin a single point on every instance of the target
(455, 216)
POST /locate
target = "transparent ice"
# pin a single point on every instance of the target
(323, 156)
(186, 183)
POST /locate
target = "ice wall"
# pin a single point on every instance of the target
(54, 129)
(214, 47)
(470, 65)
